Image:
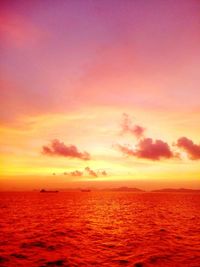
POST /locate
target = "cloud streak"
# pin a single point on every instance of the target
(57, 148)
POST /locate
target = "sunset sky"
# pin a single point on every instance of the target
(99, 93)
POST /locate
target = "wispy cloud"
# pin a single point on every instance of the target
(128, 127)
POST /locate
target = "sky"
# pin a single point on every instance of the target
(99, 93)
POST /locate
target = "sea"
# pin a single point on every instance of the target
(99, 229)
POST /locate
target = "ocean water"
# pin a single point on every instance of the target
(99, 229)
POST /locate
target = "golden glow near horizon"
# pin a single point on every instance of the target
(75, 88)
(22, 153)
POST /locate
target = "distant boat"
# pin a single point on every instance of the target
(48, 191)
(85, 190)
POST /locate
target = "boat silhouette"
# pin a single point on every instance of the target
(48, 191)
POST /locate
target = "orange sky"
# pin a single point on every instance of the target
(99, 94)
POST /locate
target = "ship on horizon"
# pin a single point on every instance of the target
(48, 191)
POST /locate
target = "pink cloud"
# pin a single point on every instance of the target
(57, 148)
(127, 127)
(193, 150)
(149, 149)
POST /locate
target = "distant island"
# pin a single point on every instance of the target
(125, 189)
(122, 189)
(177, 190)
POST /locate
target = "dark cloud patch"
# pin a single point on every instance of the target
(57, 148)
(104, 173)
(76, 173)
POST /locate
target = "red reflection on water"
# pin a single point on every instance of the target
(99, 229)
